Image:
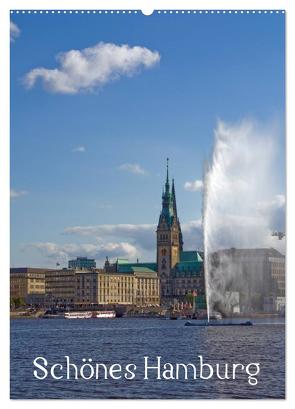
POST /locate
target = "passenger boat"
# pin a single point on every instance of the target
(105, 314)
(78, 314)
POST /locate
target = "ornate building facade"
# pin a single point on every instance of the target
(124, 284)
(180, 272)
(169, 238)
(27, 284)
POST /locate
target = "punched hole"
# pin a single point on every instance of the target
(147, 12)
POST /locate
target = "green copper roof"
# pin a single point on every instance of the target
(188, 269)
(122, 261)
(168, 199)
(192, 256)
(142, 270)
(190, 264)
(130, 267)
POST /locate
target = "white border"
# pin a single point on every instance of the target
(146, 5)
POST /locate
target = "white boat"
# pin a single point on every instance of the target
(78, 314)
(105, 314)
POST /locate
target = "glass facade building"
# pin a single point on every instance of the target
(82, 263)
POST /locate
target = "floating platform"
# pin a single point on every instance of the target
(217, 324)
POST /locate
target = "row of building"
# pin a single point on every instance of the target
(253, 280)
(257, 283)
(85, 286)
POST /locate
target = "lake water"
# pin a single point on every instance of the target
(129, 340)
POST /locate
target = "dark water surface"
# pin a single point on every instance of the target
(126, 341)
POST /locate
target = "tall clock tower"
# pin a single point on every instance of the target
(169, 238)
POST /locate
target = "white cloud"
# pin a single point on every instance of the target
(79, 149)
(17, 193)
(193, 235)
(129, 241)
(194, 186)
(274, 211)
(141, 235)
(93, 67)
(65, 252)
(14, 31)
(133, 168)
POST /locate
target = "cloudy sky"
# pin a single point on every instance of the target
(97, 104)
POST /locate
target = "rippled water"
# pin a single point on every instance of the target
(126, 341)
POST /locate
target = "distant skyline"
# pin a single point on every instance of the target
(97, 104)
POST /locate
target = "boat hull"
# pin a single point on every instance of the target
(105, 314)
(78, 315)
(217, 324)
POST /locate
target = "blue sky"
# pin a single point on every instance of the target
(95, 158)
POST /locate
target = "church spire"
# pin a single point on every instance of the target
(167, 203)
(174, 199)
(175, 215)
(167, 177)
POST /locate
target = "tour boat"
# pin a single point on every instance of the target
(78, 314)
(105, 314)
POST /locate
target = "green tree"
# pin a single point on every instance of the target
(189, 298)
(18, 302)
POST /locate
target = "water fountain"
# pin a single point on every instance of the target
(240, 191)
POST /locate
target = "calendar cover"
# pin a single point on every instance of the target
(147, 204)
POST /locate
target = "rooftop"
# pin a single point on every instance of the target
(130, 267)
(192, 256)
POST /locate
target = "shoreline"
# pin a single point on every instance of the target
(244, 316)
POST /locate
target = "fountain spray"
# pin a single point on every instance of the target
(241, 201)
